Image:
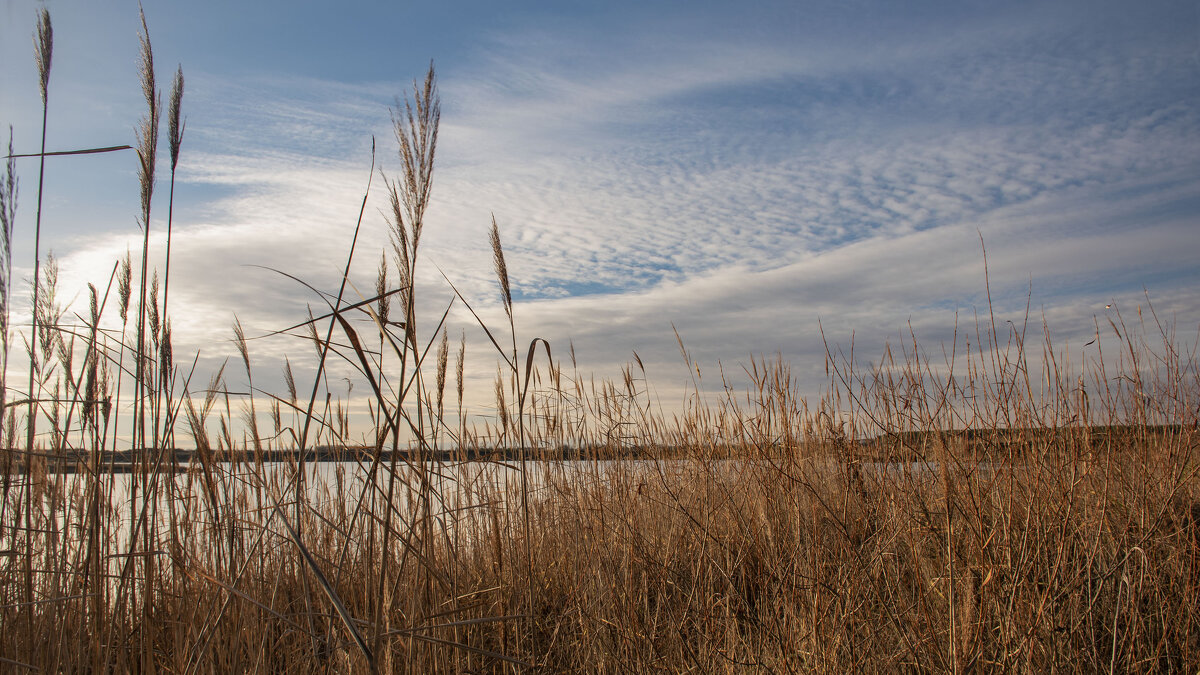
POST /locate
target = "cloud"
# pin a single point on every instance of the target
(742, 191)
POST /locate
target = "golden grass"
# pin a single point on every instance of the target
(996, 511)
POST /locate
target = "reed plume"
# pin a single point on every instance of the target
(152, 317)
(383, 307)
(175, 124)
(442, 356)
(289, 380)
(125, 285)
(458, 369)
(165, 350)
(501, 271)
(90, 395)
(147, 130)
(43, 50)
(416, 130)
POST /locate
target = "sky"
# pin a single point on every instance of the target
(765, 179)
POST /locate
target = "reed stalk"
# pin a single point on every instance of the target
(175, 129)
(43, 52)
(147, 150)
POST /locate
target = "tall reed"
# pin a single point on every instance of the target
(43, 41)
(8, 216)
(147, 151)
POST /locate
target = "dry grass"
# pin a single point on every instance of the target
(1007, 514)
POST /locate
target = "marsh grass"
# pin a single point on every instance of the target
(997, 509)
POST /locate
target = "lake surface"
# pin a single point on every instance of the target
(445, 490)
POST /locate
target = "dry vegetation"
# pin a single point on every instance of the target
(1057, 527)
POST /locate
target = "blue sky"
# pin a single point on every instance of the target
(740, 172)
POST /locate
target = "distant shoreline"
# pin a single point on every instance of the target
(985, 444)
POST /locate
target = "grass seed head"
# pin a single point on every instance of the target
(416, 132)
(458, 368)
(43, 49)
(124, 285)
(175, 125)
(442, 355)
(289, 379)
(148, 129)
(384, 304)
(165, 350)
(501, 268)
(239, 339)
(153, 315)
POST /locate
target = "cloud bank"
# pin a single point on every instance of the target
(746, 192)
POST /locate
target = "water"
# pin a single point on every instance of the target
(252, 498)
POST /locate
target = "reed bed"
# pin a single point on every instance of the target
(995, 510)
